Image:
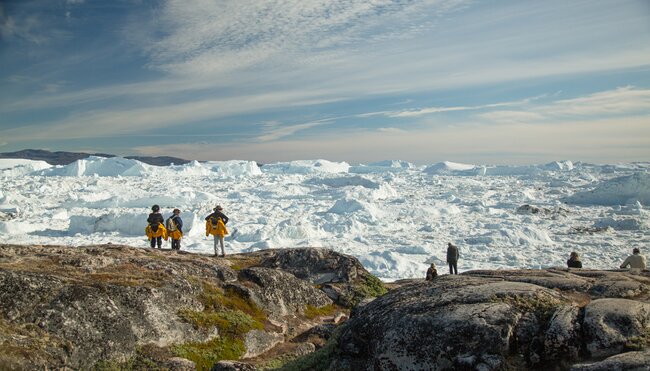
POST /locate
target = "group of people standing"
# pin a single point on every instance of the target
(634, 261)
(158, 229)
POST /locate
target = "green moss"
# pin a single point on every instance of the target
(312, 312)
(367, 286)
(205, 355)
(372, 286)
(231, 314)
(232, 322)
(240, 263)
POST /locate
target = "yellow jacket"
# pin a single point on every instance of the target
(160, 232)
(175, 235)
(216, 230)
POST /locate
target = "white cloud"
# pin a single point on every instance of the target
(620, 102)
(512, 116)
(600, 141)
(275, 131)
(206, 37)
(391, 130)
(624, 100)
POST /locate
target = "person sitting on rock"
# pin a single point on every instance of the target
(432, 272)
(635, 261)
(452, 258)
(574, 260)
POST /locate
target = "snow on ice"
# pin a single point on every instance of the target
(394, 216)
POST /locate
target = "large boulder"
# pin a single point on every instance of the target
(496, 320)
(614, 325)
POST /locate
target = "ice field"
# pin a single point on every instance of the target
(394, 216)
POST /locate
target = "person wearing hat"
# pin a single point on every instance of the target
(175, 229)
(215, 224)
(156, 230)
(452, 258)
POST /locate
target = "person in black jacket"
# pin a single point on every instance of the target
(574, 260)
(218, 214)
(452, 258)
(154, 219)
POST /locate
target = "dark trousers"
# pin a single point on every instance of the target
(176, 244)
(453, 269)
(156, 241)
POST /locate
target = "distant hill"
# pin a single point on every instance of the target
(64, 158)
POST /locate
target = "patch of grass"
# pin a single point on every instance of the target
(205, 355)
(231, 314)
(367, 286)
(372, 286)
(240, 263)
(229, 322)
(312, 312)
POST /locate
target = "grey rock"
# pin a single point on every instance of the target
(563, 335)
(258, 342)
(232, 366)
(180, 364)
(630, 361)
(611, 324)
(281, 293)
(316, 265)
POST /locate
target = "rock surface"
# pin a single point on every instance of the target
(496, 320)
(116, 307)
(84, 307)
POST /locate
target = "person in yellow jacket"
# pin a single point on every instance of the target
(215, 224)
(174, 226)
(155, 230)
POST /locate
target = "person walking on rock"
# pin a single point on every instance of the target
(155, 229)
(174, 226)
(574, 260)
(452, 258)
(635, 261)
(432, 272)
(215, 224)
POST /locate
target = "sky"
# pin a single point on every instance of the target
(480, 82)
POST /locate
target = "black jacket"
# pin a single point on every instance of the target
(154, 219)
(574, 263)
(216, 215)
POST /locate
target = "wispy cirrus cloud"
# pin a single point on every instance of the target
(275, 130)
(622, 102)
(215, 37)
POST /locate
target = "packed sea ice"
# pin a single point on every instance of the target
(394, 216)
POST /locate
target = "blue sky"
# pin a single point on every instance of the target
(483, 82)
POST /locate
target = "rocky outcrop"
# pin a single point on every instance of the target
(116, 307)
(496, 320)
(110, 306)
